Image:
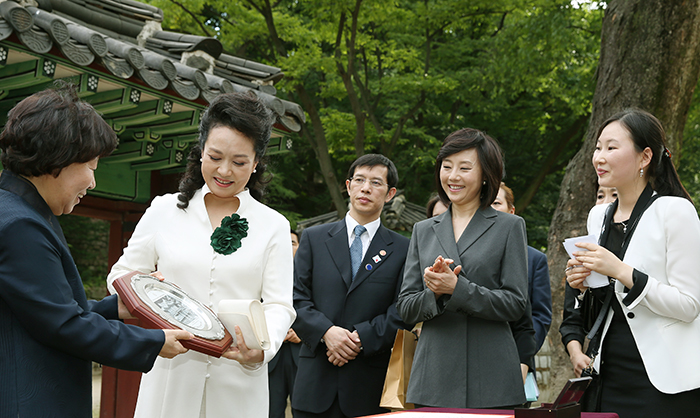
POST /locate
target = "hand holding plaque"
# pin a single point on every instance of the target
(160, 304)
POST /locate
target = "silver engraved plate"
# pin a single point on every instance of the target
(177, 307)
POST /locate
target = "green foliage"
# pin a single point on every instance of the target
(521, 70)
(690, 154)
(88, 243)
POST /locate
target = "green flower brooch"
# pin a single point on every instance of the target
(226, 239)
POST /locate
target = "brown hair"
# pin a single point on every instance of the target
(510, 198)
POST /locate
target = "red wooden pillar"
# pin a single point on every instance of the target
(120, 388)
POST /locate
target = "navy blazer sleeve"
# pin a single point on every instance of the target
(311, 324)
(540, 294)
(41, 286)
(524, 336)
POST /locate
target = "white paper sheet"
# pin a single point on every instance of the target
(595, 279)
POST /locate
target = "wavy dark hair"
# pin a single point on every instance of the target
(52, 129)
(245, 113)
(490, 158)
(646, 131)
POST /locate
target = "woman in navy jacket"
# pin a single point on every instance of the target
(49, 332)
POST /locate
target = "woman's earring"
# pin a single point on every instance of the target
(255, 170)
(641, 172)
(200, 160)
(484, 183)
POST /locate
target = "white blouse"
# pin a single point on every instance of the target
(176, 242)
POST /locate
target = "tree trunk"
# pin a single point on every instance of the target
(317, 139)
(649, 59)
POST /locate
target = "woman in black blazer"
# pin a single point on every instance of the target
(49, 332)
(466, 356)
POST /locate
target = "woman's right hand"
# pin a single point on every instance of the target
(578, 359)
(576, 274)
(440, 278)
(172, 346)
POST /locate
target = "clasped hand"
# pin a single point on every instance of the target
(440, 278)
(342, 345)
(598, 259)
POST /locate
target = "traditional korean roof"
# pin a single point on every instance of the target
(398, 214)
(149, 84)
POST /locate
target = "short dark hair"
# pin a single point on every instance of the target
(245, 113)
(52, 129)
(372, 160)
(490, 158)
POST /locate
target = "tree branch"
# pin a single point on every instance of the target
(402, 121)
(549, 164)
(193, 16)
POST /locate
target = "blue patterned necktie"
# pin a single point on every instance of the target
(356, 250)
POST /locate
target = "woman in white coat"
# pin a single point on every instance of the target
(647, 360)
(177, 236)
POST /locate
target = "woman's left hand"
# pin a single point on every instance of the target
(601, 260)
(241, 353)
(440, 278)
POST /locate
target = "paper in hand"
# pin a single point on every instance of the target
(595, 279)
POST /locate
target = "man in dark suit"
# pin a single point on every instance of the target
(347, 276)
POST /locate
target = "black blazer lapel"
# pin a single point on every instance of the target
(382, 241)
(337, 245)
(482, 220)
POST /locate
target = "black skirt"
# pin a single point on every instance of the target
(626, 386)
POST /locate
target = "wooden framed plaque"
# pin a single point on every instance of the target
(159, 304)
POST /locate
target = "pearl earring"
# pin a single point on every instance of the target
(255, 170)
(200, 160)
(641, 172)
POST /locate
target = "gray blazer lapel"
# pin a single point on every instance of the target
(381, 241)
(442, 227)
(483, 220)
(339, 250)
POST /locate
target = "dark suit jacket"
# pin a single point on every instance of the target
(466, 356)
(49, 331)
(294, 348)
(540, 294)
(325, 295)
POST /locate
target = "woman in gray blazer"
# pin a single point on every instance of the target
(466, 356)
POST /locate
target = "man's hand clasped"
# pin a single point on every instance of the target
(342, 345)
